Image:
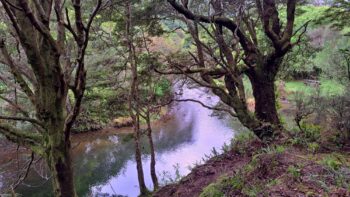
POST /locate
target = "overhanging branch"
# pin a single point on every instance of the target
(207, 106)
(24, 119)
(20, 137)
(220, 20)
(16, 73)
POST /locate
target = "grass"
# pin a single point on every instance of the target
(298, 86)
(331, 88)
(328, 88)
(292, 171)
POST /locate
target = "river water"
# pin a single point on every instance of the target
(104, 165)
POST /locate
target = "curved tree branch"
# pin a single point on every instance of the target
(220, 20)
(207, 106)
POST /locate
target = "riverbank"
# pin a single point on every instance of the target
(251, 168)
(311, 162)
(111, 130)
(88, 124)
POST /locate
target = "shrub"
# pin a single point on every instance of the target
(340, 114)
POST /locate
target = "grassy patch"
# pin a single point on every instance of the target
(298, 86)
(327, 88)
(212, 190)
(331, 88)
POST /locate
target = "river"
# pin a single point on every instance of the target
(104, 164)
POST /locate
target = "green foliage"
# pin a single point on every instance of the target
(298, 86)
(3, 27)
(237, 182)
(241, 141)
(310, 133)
(243, 137)
(328, 88)
(252, 190)
(162, 87)
(331, 88)
(166, 177)
(338, 15)
(212, 190)
(273, 182)
(224, 183)
(247, 87)
(332, 162)
(273, 149)
(299, 62)
(294, 172)
(331, 59)
(313, 147)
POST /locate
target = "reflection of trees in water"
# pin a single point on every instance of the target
(108, 163)
(171, 139)
(101, 164)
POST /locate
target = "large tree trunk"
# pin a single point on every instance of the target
(57, 153)
(265, 99)
(59, 162)
(261, 130)
(262, 79)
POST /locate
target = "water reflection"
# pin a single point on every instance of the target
(105, 166)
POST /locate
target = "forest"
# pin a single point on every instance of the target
(174, 98)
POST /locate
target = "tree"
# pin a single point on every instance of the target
(134, 104)
(258, 58)
(48, 53)
(338, 15)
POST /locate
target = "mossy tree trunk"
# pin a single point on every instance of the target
(60, 164)
(263, 85)
(48, 90)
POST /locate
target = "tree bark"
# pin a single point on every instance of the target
(153, 155)
(265, 99)
(59, 161)
(138, 158)
(48, 93)
(261, 130)
(134, 107)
